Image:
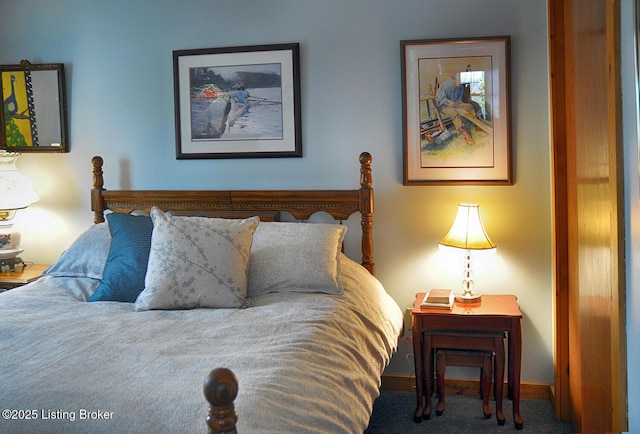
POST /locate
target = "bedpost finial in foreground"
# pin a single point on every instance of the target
(220, 389)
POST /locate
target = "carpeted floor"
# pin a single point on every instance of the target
(393, 413)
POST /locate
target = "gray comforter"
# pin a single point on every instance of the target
(305, 362)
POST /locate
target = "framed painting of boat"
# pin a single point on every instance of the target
(33, 118)
(456, 111)
(237, 102)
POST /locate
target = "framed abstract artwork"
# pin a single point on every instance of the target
(237, 102)
(456, 111)
(34, 115)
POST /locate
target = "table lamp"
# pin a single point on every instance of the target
(467, 233)
(16, 192)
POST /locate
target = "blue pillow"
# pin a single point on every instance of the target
(126, 267)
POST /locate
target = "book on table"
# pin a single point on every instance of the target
(438, 299)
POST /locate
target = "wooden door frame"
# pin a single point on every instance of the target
(562, 34)
(560, 390)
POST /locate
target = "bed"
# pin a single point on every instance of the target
(174, 296)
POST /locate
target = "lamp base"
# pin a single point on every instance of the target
(468, 298)
(11, 264)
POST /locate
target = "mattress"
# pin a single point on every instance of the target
(305, 362)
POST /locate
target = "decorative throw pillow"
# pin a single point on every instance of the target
(197, 262)
(86, 256)
(296, 257)
(123, 275)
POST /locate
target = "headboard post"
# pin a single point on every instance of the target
(97, 202)
(366, 209)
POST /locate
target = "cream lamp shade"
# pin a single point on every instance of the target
(467, 233)
(16, 192)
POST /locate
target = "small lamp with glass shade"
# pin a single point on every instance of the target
(16, 192)
(467, 233)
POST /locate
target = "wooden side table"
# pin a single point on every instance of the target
(493, 313)
(13, 279)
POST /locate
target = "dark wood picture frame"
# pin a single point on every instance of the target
(34, 115)
(238, 102)
(456, 111)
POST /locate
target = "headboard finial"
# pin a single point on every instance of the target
(366, 209)
(98, 181)
(365, 158)
(97, 203)
(365, 170)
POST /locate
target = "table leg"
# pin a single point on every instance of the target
(427, 362)
(419, 370)
(499, 379)
(515, 360)
(485, 385)
(441, 367)
(510, 372)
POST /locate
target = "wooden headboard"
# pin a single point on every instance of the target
(267, 204)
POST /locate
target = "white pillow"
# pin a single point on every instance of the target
(197, 262)
(296, 257)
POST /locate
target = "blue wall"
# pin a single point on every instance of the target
(118, 56)
(631, 121)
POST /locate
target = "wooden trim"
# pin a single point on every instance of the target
(619, 420)
(560, 388)
(588, 214)
(457, 386)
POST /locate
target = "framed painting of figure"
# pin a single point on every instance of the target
(456, 111)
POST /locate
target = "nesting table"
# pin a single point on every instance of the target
(494, 313)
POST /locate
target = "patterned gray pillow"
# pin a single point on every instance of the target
(296, 257)
(197, 262)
